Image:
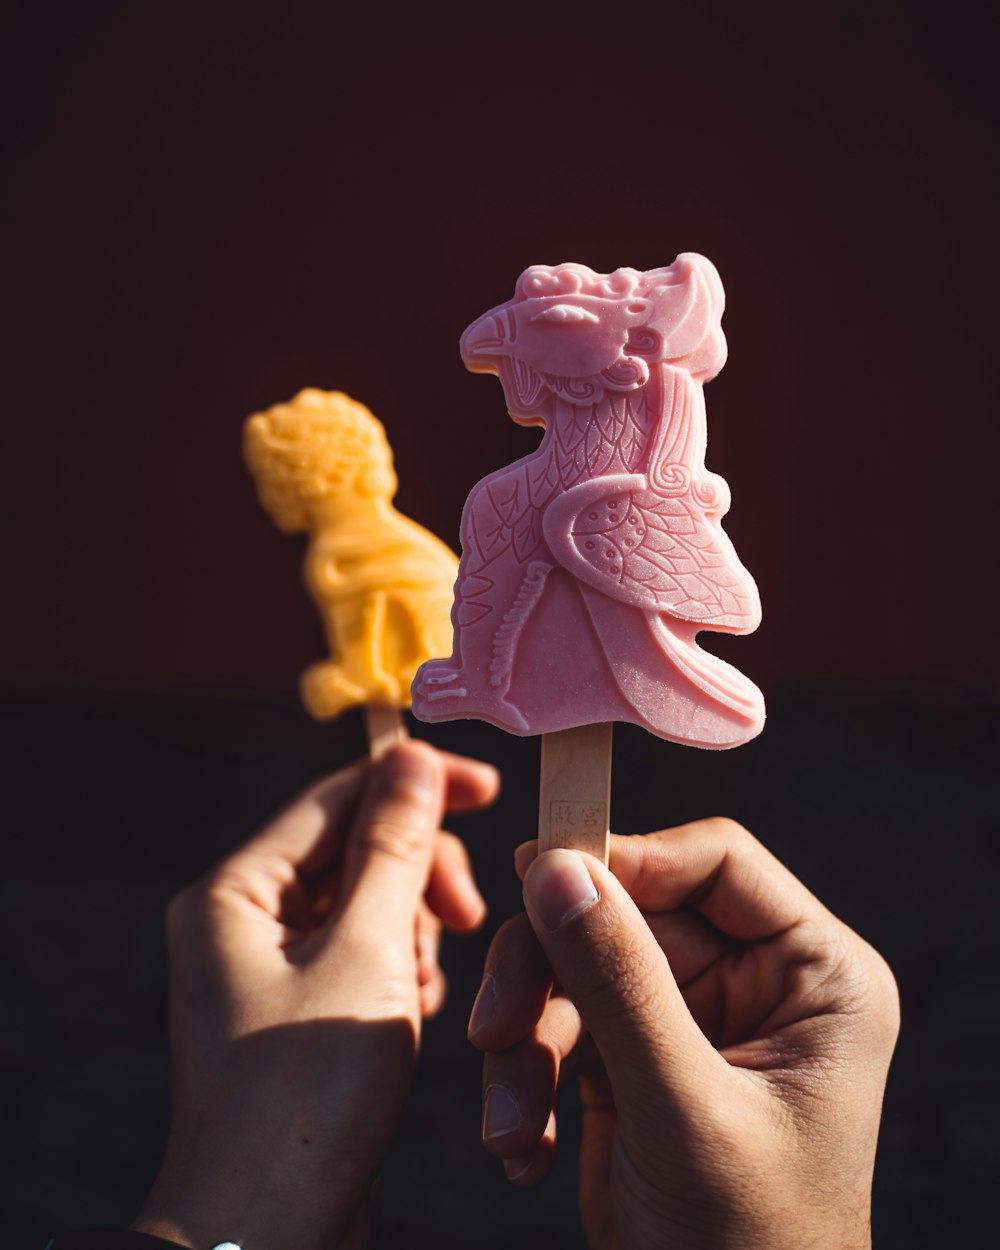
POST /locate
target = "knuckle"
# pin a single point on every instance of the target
(392, 834)
(883, 995)
(560, 1029)
(863, 983)
(728, 830)
(222, 884)
(216, 889)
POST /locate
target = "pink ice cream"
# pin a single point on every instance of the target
(589, 566)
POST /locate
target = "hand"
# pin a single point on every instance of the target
(301, 967)
(731, 1037)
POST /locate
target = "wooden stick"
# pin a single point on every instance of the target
(385, 726)
(574, 800)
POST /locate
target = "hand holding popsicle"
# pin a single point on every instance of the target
(300, 975)
(731, 1039)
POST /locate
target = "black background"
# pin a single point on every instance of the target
(208, 207)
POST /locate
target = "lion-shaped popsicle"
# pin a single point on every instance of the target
(589, 566)
(382, 583)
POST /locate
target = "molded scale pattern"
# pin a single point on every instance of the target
(589, 566)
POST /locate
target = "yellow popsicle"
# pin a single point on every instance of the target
(382, 583)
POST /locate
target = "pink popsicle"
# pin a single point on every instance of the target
(590, 565)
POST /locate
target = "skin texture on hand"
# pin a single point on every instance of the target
(301, 968)
(731, 1038)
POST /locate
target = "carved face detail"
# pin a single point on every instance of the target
(320, 445)
(578, 334)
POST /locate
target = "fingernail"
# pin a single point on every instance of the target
(501, 1113)
(516, 1167)
(560, 888)
(484, 1006)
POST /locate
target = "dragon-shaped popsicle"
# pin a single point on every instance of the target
(590, 565)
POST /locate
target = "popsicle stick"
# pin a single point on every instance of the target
(385, 726)
(574, 800)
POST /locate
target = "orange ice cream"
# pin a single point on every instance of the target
(382, 583)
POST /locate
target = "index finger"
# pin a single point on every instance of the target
(721, 870)
(714, 866)
(470, 784)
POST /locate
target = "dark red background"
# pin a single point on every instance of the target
(208, 212)
(210, 206)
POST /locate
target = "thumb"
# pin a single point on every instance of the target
(389, 850)
(608, 962)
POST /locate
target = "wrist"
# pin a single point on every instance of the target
(211, 1218)
(199, 1202)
